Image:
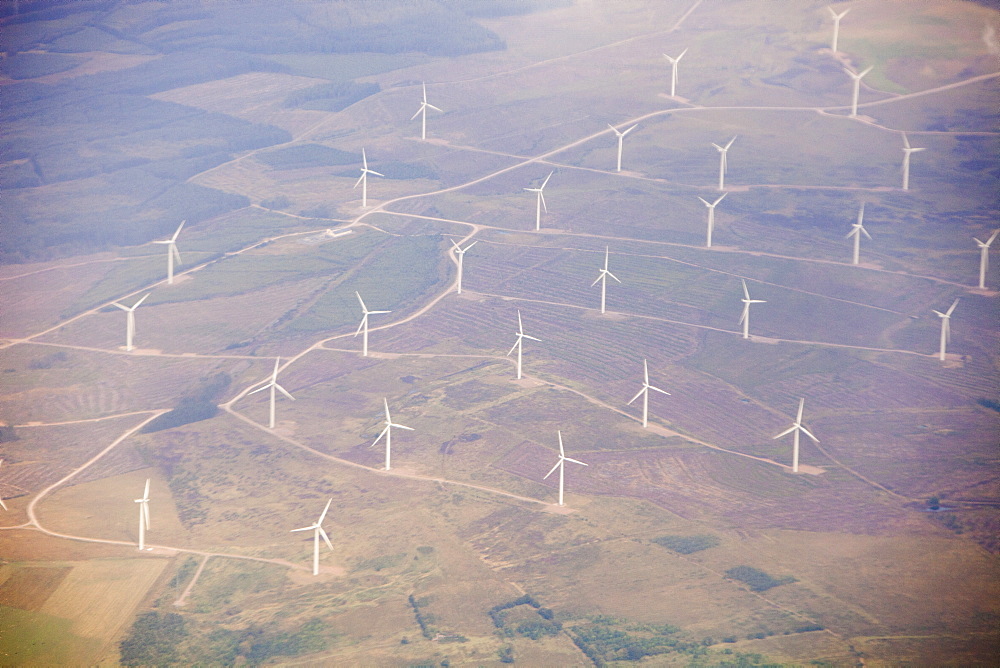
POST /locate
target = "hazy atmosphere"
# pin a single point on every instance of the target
(483, 332)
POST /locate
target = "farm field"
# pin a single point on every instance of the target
(690, 541)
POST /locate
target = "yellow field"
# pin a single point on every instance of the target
(101, 596)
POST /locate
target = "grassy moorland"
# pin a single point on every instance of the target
(690, 542)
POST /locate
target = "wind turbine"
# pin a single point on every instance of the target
(644, 393)
(673, 73)
(621, 137)
(424, 106)
(517, 344)
(130, 320)
(363, 179)
(796, 428)
(172, 252)
(946, 327)
(273, 384)
(460, 252)
(984, 257)
(364, 324)
(723, 166)
(561, 465)
(836, 25)
(317, 530)
(143, 517)
(387, 432)
(540, 203)
(603, 278)
(907, 151)
(857, 229)
(857, 88)
(745, 318)
(2, 504)
(711, 217)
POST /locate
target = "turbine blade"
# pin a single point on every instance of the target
(659, 390)
(471, 245)
(952, 307)
(124, 308)
(637, 395)
(541, 196)
(553, 470)
(630, 129)
(302, 529)
(746, 312)
(807, 433)
(611, 275)
(145, 493)
(682, 54)
(562, 453)
(542, 187)
(361, 326)
(906, 142)
(520, 327)
(259, 389)
(802, 404)
(599, 277)
(360, 179)
(145, 514)
(402, 426)
(731, 142)
(371, 171)
(323, 514)
(525, 336)
(514, 347)
(457, 247)
(379, 436)
(721, 197)
(283, 391)
(870, 67)
(274, 374)
(418, 111)
(377, 312)
(431, 106)
(136, 305)
(865, 232)
(179, 228)
(746, 293)
(992, 238)
(788, 431)
(705, 203)
(361, 301)
(388, 418)
(325, 537)
(575, 461)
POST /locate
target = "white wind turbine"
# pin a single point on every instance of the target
(172, 252)
(424, 106)
(2, 504)
(723, 165)
(387, 432)
(540, 201)
(603, 278)
(857, 229)
(460, 252)
(363, 179)
(836, 26)
(317, 529)
(273, 385)
(796, 428)
(644, 393)
(857, 88)
(143, 517)
(745, 318)
(984, 257)
(130, 320)
(621, 138)
(945, 327)
(561, 465)
(711, 217)
(517, 344)
(363, 327)
(673, 73)
(907, 151)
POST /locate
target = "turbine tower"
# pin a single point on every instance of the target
(363, 179)
(387, 432)
(673, 72)
(143, 517)
(603, 278)
(907, 151)
(711, 217)
(317, 529)
(723, 166)
(621, 137)
(857, 229)
(796, 428)
(540, 201)
(517, 344)
(984, 257)
(745, 318)
(273, 385)
(363, 327)
(644, 393)
(2, 504)
(946, 327)
(460, 252)
(857, 88)
(172, 252)
(836, 26)
(424, 106)
(130, 320)
(561, 465)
